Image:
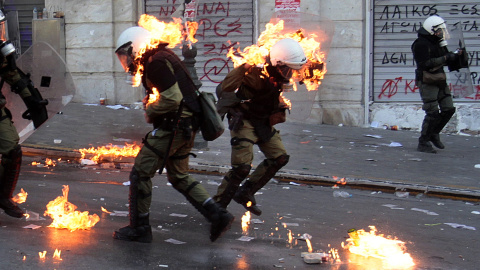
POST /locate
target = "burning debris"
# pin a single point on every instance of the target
(65, 216)
(20, 197)
(110, 152)
(48, 163)
(390, 251)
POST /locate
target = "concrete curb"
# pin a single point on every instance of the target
(294, 177)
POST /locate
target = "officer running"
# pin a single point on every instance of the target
(170, 141)
(251, 122)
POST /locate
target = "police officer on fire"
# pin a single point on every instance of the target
(431, 55)
(252, 120)
(178, 103)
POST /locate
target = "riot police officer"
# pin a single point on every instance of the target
(10, 149)
(170, 142)
(252, 120)
(431, 55)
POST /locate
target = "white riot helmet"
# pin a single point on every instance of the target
(287, 55)
(436, 26)
(129, 43)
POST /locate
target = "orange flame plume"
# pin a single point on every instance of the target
(173, 33)
(42, 254)
(154, 96)
(20, 197)
(65, 217)
(390, 251)
(246, 219)
(129, 150)
(105, 210)
(256, 54)
(56, 255)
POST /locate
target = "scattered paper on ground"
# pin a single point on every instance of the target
(245, 238)
(174, 241)
(32, 226)
(177, 215)
(460, 226)
(425, 211)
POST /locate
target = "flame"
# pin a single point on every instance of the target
(154, 96)
(129, 150)
(390, 251)
(20, 197)
(333, 253)
(246, 221)
(42, 254)
(309, 245)
(50, 162)
(173, 33)
(256, 54)
(290, 237)
(56, 255)
(105, 210)
(65, 217)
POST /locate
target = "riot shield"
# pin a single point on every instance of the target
(459, 77)
(49, 74)
(322, 28)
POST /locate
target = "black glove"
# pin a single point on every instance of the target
(450, 57)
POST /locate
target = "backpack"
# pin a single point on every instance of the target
(211, 124)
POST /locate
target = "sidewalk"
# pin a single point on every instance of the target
(367, 158)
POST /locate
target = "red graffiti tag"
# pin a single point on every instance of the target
(211, 69)
(390, 88)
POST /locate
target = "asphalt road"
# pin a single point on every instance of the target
(438, 233)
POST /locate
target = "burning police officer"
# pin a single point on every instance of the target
(431, 55)
(170, 142)
(252, 120)
(36, 111)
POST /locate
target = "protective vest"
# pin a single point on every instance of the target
(185, 82)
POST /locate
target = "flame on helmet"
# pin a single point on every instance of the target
(173, 33)
(256, 54)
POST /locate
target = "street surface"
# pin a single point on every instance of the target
(438, 233)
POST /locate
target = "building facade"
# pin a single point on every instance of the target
(370, 78)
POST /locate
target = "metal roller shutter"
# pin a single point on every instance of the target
(25, 16)
(395, 28)
(221, 25)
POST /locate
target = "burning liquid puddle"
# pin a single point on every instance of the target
(65, 216)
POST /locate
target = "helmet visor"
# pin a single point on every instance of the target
(124, 54)
(442, 32)
(285, 71)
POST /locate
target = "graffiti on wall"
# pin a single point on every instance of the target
(395, 28)
(222, 25)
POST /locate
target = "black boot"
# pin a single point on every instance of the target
(11, 208)
(435, 139)
(11, 163)
(232, 179)
(443, 120)
(247, 191)
(425, 146)
(244, 197)
(140, 231)
(220, 219)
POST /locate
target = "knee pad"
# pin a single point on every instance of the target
(448, 113)
(282, 160)
(242, 171)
